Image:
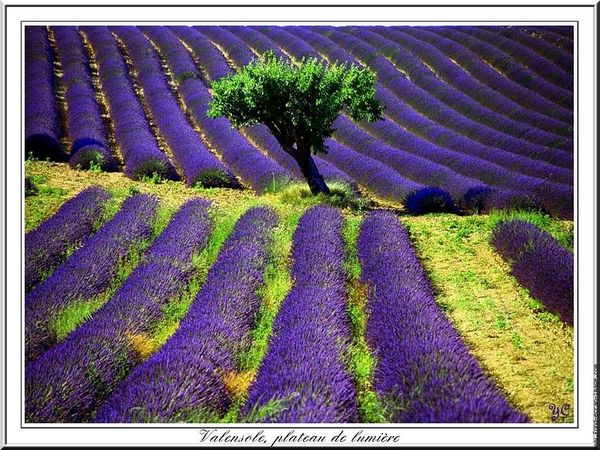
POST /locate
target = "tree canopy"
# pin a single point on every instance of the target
(297, 102)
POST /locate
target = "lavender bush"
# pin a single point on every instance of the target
(81, 371)
(87, 272)
(71, 225)
(85, 126)
(198, 164)
(539, 263)
(184, 380)
(302, 377)
(141, 155)
(424, 371)
(42, 130)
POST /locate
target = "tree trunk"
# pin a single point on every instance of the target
(309, 169)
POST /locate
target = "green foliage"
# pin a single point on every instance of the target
(561, 230)
(342, 195)
(359, 360)
(298, 103)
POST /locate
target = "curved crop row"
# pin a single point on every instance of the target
(186, 380)
(525, 56)
(141, 154)
(203, 49)
(506, 65)
(424, 372)
(48, 244)
(42, 129)
(471, 62)
(86, 273)
(431, 70)
(405, 117)
(407, 122)
(564, 30)
(254, 168)
(198, 164)
(302, 377)
(555, 197)
(550, 52)
(522, 123)
(539, 263)
(68, 383)
(551, 36)
(259, 134)
(85, 126)
(255, 40)
(423, 101)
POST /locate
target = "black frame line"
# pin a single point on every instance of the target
(250, 426)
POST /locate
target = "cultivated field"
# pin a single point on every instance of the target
(179, 270)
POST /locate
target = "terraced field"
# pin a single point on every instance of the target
(177, 270)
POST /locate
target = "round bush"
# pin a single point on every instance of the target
(215, 178)
(429, 199)
(93, 156)
(475, 200)
(514, 201)
(153, 169)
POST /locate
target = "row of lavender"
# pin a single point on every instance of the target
(85, 127)
(86, 273)
(539, 263)
(98, 372)
(489, 167)
(422, 142)
(68, 381)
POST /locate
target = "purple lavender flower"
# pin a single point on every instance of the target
(424, 371)
(539, 263)
(87, 272)
(253, 168)
(68, 383)
(209, 56)
(186, 377)
(483, 103)
(534, 102)
(524, 55)
(86, 130)
(71, 225)
(141, 155)
(508, 66)
(42, 131)
(198, 164)
(302, 377)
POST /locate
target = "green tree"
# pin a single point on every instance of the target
(297, 102)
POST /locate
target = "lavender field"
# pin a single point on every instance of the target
(178, 270)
